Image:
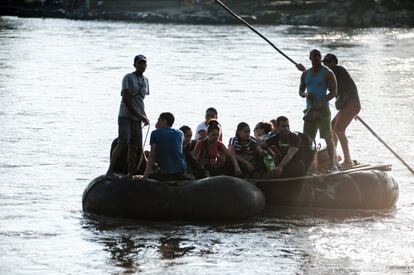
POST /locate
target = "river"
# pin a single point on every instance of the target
(59, 97)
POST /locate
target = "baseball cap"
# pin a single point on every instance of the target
(139, 58)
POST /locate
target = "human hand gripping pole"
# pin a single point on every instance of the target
(139, 177)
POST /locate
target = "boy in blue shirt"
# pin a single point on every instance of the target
(167, 150)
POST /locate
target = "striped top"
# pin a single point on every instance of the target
(240, 148)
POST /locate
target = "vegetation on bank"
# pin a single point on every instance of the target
(355, 13)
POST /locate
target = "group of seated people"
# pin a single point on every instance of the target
(273, 152)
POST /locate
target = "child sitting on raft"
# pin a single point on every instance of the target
(262, 131)
(214, 155)
(194, 167)
(247, 152)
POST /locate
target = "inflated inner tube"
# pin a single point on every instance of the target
(366, 190)
(219, 198)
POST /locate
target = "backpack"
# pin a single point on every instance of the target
(309, 150)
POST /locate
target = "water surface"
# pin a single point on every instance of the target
(59, 97)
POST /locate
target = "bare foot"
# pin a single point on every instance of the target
(346, 165)
(137, 177)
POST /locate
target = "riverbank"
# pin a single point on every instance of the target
(315, 13)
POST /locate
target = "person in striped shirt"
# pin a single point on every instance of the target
(246, 150)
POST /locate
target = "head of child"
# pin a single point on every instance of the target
(274, 126)
(187, 134)
(262, 128)
(213, 133)
(243, 131)
(211, 113)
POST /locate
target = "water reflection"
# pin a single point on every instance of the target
(131, 243)
(297, 242)
(170, 248)
(299, 213)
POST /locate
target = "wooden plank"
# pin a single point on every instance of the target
(381, 167)
(355, 166)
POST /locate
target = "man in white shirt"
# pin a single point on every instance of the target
(201, 130)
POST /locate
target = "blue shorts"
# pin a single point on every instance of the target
(129, 131)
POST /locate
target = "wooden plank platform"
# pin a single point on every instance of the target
(360, 167)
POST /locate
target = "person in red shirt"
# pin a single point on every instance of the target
(214, 156)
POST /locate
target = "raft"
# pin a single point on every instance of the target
(365, 187)
(219, 198)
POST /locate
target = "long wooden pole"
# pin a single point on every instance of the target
(254, 30)
(291, 60)
(386, 145)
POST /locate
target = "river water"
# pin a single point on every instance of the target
(59, 97)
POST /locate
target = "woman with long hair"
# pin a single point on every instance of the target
(246, 150)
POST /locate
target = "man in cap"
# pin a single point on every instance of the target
(347, 103)
(317, 81)
(131, 115)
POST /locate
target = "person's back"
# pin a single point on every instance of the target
(347, 89)
(166, 150)
(169, 150)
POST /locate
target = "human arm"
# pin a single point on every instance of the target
(259, 149)
(150, 163)
(127, 101)
(237, 170)
(302, 86)
(197, 150)
(300, 67)
(249, 166)
(332, 85)
(290, 154)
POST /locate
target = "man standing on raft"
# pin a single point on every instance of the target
(131, 114)
(317, 81)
